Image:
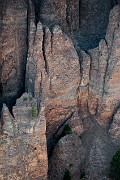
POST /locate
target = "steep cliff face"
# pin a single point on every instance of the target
(78, 19)
(78, 89)
(83, 20)
(104, 72)
(23, 142)
(14, 48)
(84, 87)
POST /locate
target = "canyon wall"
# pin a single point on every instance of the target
(74, 19)
(23, 142)
(82, 91)
(43, 55)
(84, 21)
(14, 47)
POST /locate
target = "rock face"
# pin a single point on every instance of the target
(69, 84)
(78, 89)
(13, 47)
(84, 20)
(100, 75)
(115, 128)
(55, 74)
(23, 142)
(63, 13)
(62, 159)
(104, 73)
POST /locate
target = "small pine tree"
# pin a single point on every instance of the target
(67, 175)
(33, 112)
(82, 173)
(115, 166)
(66, 130)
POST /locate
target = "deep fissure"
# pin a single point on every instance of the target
(80, 43)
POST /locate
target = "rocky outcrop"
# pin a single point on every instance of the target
(23, 142)
(73, 18)
(62, 159)
(69, 84)
(63, 13)
(83, 20)
(80, 89)
(99, 98)
(13, 47)
(101, 86)
(55, 74)
(115, 128)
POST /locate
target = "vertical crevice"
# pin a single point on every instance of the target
(37, 9)
(43, 50)
(81, 68)
(1, 122)
(1, 88)
(117, 107)
(106, 70)
(30, 20)
(79, 13)
(68, 18)
(27, 37)
(52, 35)
(1, 104)
(39, 99)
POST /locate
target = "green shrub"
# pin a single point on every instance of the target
(70, 165)
(115, 166)
(33, 111)
(82, 174)
(25, 98)
(67, 175)
(66, 130)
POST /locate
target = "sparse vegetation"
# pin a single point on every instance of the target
(115, 166)
(67, 175)
(25, 98)
(67, 130)
(82, 173)
(70, 165)
(33, 111)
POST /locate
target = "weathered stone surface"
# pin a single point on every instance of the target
(76, 124)
(23, 142)
(98, 149)
(68, 154)
(84, 83)
(113, 24)
(93, 84)
(84, 20)
(115, 128)
(99, 160)
(14, 46)
(111, 91)
(63, 13)
(56, 75)
(83, 92)
(101, 96)
(64, 75)
(99, 58)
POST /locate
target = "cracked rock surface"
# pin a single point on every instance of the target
(42, 53)
(13, 48)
